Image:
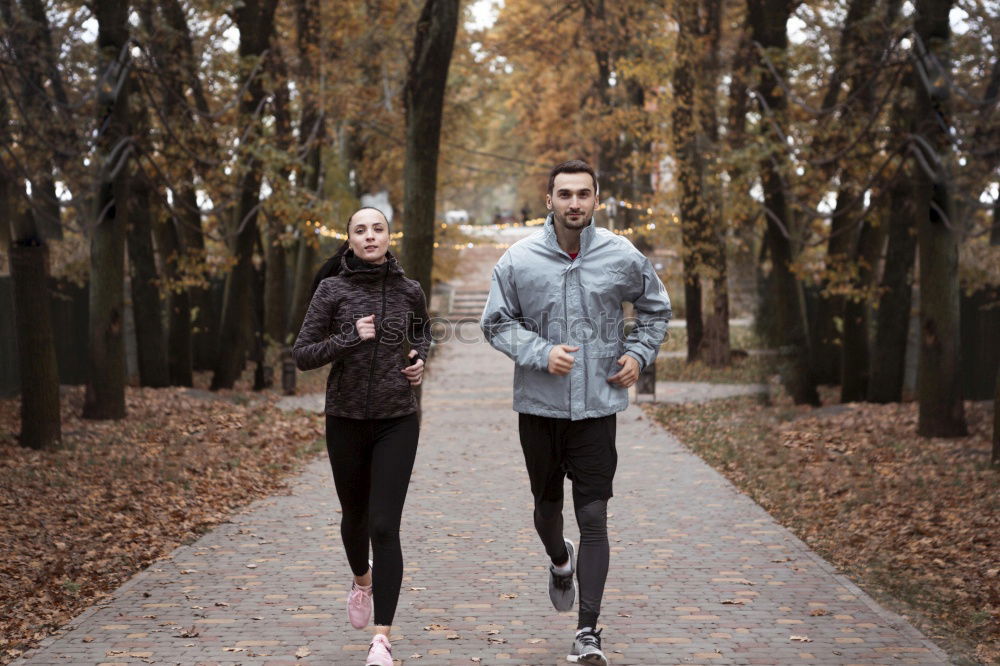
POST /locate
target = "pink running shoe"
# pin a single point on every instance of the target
(359, 605)
(379, 652)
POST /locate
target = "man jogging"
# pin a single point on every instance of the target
(555, 308)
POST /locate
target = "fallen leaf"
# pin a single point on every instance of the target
(302, 653)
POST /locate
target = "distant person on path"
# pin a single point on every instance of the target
(363, 315)
(555, 308)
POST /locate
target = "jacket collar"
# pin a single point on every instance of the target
(358, 270)
(586, 236)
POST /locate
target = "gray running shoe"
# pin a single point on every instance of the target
(587, 648)
(562, 588)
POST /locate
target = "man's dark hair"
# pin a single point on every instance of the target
(573, 166)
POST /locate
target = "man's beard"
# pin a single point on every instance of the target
(568, 224)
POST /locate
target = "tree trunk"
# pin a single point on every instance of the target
(893, 322)
(105, 394)
(767, 20)
(855, 61)
(41, 423)
(178, 306)
(827, 336)
(146, 305)
(942, 413)
(311, 133)
(172, 49)
(689, 171)
(203, 320)
(906, 203)
(255, 19)
(855, 355)
(995, 229)
(424, 101)
(275, 301)
(31, 44)
(995, 457)
(742, 220)
(715, 351)
(305, 271)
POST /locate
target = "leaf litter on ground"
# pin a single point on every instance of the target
(914, 521)
(79, 521)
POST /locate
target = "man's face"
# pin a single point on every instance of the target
(572, 200)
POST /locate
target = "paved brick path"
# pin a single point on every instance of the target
(700, 574)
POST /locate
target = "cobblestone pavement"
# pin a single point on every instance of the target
(700, 574)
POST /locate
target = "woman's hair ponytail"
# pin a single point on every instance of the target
(330, 267)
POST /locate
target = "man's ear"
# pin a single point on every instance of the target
(548, 201)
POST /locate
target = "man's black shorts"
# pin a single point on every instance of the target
(583, 450)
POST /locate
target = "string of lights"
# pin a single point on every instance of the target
(322, 230)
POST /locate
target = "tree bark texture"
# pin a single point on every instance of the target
(31, 44)
(255, 19)
(860, 46)
(178, 304)
(689, 172)
(995, 229)
(105, 393)
(171, 46)
(424, 102)
(866, 234)
(942, 412)
(855, 355)
(716, 347)
(767, 20)
(904, 206)
(888, 367)
(144, 282)
(275, 254)
(311, 134)
(41, 422)
(995, 456)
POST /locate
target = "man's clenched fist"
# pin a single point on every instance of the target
(560, 361)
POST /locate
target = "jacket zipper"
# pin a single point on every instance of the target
(378, 336)
(566, 315)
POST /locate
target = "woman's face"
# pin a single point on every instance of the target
(368, 236)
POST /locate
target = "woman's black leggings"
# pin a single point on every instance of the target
(372, 460)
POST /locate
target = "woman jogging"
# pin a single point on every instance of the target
(363, 317)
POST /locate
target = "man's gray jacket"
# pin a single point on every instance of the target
(539, 298)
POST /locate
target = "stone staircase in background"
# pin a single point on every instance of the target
(464, 303)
